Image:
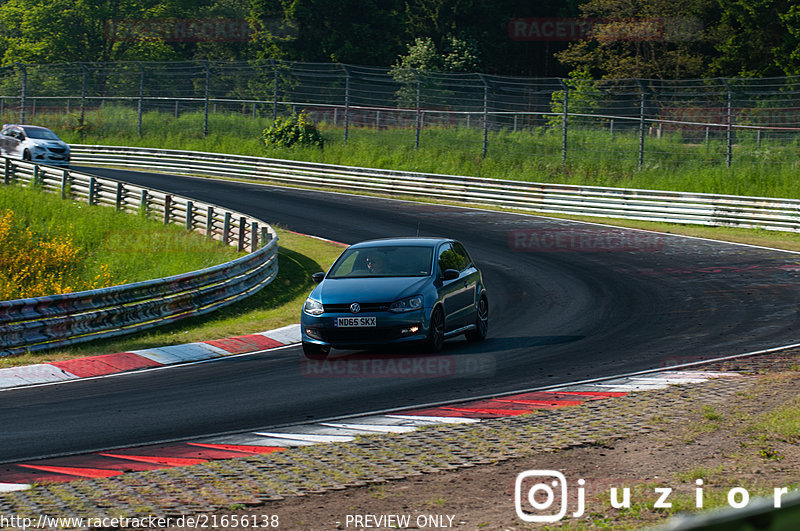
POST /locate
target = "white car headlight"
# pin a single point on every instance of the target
(407, 305)
(313, 307)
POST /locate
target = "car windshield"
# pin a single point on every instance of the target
(42, 134)
(365, 262)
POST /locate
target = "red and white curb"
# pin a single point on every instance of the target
(18, 476)
(59, 371)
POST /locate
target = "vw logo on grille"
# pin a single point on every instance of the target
(355, 307)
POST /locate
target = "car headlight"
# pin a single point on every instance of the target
(407, 305)
(313, 307)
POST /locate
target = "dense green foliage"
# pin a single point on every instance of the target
(663, 39)
(297, 129)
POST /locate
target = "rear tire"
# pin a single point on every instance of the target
(435, 341)
(481, 322)
(315, 352)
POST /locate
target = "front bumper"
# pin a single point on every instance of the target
(51, 159)
(391, 328)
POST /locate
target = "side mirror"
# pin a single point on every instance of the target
(317, 277)
(450, 274)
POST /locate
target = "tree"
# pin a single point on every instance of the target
(662, 39)
(363, 32)
(757, 38)
(48, 31)
(457, 55)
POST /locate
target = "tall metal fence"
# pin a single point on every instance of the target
(634, 122)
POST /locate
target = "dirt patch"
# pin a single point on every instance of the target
(719, 444)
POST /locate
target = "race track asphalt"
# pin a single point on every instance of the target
(568, 301)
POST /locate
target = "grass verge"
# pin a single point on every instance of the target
(676, 160)
(278, 304)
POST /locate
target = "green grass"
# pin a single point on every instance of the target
(278, 304)
(680, 161)
(134, 248)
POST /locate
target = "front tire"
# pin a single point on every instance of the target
(313, 351)
(435, 341)
(481, 322)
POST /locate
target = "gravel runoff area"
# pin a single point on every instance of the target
(459, 475)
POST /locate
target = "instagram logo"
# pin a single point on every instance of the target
(544, 493)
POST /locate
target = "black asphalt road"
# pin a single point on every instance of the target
(569, 301)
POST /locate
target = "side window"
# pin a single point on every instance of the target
(462, 253)
(449, 258)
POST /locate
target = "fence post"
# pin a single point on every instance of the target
(564, 117)
(226, 227)
(641, 123)
(36, 176)
(210, 222)
(23, 92)
(84, 73)
(141, 98)
(167, 208)
(92, 190)
(7, 172)
(143, 203)
(242, 229)
(253, 236)
(417, 114)
(205, 98)
(118, 201)
(485, 115)
(729, 125)
(64, 183)
(346, 102)
(189, 215)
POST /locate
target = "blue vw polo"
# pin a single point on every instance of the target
(397, 290)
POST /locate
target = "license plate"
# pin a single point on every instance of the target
(354, 322)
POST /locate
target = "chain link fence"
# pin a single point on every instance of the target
(630, 122)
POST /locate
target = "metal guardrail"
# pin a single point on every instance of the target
(47, 322)
(647, 205)
(761, 514)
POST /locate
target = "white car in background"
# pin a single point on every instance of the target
(33, 143)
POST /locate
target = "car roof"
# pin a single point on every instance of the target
(25, 126)
(402, 242)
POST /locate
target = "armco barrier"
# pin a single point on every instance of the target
(763, 514)
(647, 205)
(47, 322)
